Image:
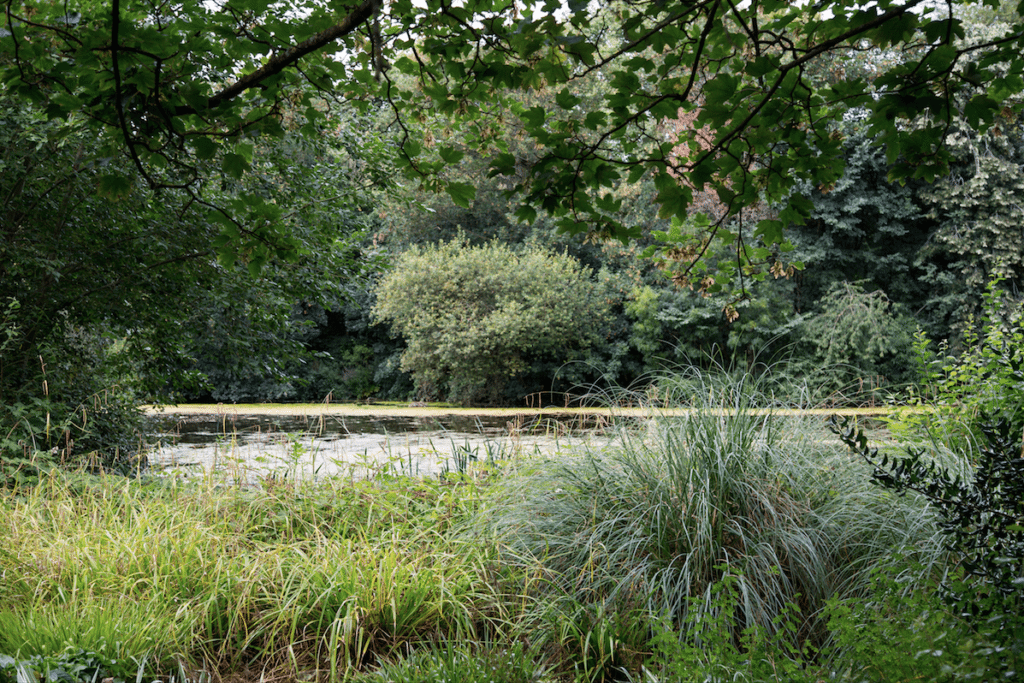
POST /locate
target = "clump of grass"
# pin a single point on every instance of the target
(120, 635)
(464, 662)
(287, 578)
(721, 485)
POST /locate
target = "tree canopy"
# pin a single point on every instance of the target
(174, 86)
(164, 152)
(107, 303)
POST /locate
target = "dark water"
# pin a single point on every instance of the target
(208, 428)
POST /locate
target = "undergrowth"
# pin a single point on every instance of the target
(654, 520)
(718, 540)
(318, 577)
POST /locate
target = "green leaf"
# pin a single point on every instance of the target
(502, 164)
(245, 150)
(259, 259)
(595, 120)
(461, 193)
(674, 199)
(114, 187)
(636, 173)
(411, 148)
(566, 99)
(605, 175)
(761, 66)
(770, 231)
(526, 214)
(534, 117)
(451, 156)
(898, 29)
(256, 6)
(234, 165)
(980, 111)
(227, 256)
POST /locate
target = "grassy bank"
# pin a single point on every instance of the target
(721, 543)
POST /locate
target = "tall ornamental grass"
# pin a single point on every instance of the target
(305, 579)
(719, 486)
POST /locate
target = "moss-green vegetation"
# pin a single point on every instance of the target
(724, 543)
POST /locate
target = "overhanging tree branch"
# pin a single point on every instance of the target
(279, 62)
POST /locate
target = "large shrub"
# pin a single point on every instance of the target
(979, 517)
(473, 317)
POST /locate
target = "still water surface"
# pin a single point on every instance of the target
(250, 447)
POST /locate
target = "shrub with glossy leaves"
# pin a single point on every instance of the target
(980, 514)
(980, 520)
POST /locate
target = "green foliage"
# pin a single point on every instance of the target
(647, 330)
(863, 229)
(860, 341)
(426, 218)
(93, 642)
(349, 376)
(472, 317)
(276, 319)
(984, 383)
(897, 633)
(732, 321)
(172, 88)
(998, 11)
(703, 652)
(63, 368)
(71, 667)
(979, 214)
(69, 410)
(123, 301)
(697, 327)
(979, 515)
(491, 663)
(596, 643)
(652, 521)
(988, 378)
(980, 521)
(294, 577)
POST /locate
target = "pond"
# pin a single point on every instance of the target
(253, 442)
(251, 446)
